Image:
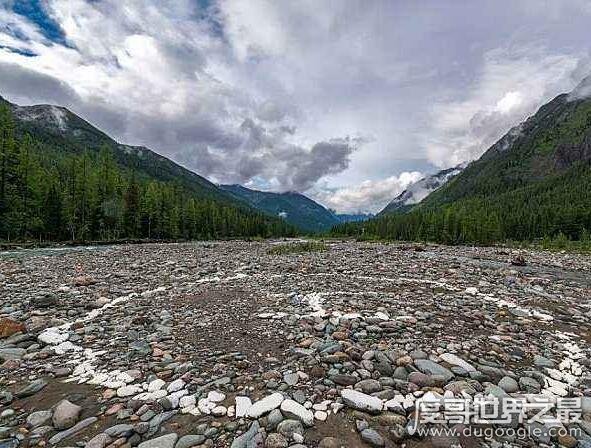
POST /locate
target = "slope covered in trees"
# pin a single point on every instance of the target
(294, 207)
(62, 179)
(533, 183)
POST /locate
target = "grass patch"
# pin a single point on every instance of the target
(298, 248)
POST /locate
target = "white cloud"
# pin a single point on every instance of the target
(512, 85)
(370, 196)
(275, 94)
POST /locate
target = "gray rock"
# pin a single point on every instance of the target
(529, 385)
(540, 361)
(429, 367)
(508, 384)
(32, 388)
(119, 430)
(369, 386)
(166, 441)
(60, 436)
(372, 437)
(190, 440)
(290, 427)
(39, 418)
(249, 438)
(276, 440)
(362, 402)
(11, 353)
(65, 414)
(99, 441)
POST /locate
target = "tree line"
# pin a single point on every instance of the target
(52, 194)
(555, 207)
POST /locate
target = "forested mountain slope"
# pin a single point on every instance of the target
(295, 208)
(535, 182)
(61, 178)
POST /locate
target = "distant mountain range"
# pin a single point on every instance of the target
(418, 191)
(296, 208)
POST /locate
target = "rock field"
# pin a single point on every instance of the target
(226, 345)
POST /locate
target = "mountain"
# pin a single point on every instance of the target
(74, 135)
(359, 217)
(535, 182)
(295, 208)
(62, 178)
(555, 143)
(419, 190)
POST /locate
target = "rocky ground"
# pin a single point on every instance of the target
(225, 344)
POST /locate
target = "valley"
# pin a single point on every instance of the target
(236, 344)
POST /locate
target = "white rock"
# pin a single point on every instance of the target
(215, 396)
(52, 336)
(219, 411)
(293, 409)
(176, 385)
(320, 415)
(128, 391)
(188, 401)
(454, 360)
(265, 405)
(205, 406)
(66, 347)
(362, 402)
(156, 385)
(243, 404)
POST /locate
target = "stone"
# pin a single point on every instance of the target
(291, 379)
(265, 405)
(368, 386)
(508, 384)
(32, 388)
(10, 353)
(454, 360)
(330, 442)
(99, 441)
(250, 438)
(540, 361)
(39, 418)
(429, 367)
(529, 385)
(84, 280)
(344, 380)
(361, 402)
(190, 440)
(166, 441)
(243, 404)
(8, 327)
(275, 440)
(372, 437)
(63, 435)
(65, 414)
(290, 427)
(292, 409)
(44, 301)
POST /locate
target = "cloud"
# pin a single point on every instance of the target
(276, 94)
(159, 74)
(367, 197)
(513, 84)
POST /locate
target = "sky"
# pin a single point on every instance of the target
(347, 101)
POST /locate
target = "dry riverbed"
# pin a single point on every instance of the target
(225, 344)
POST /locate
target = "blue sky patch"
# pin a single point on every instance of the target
(35, 12)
